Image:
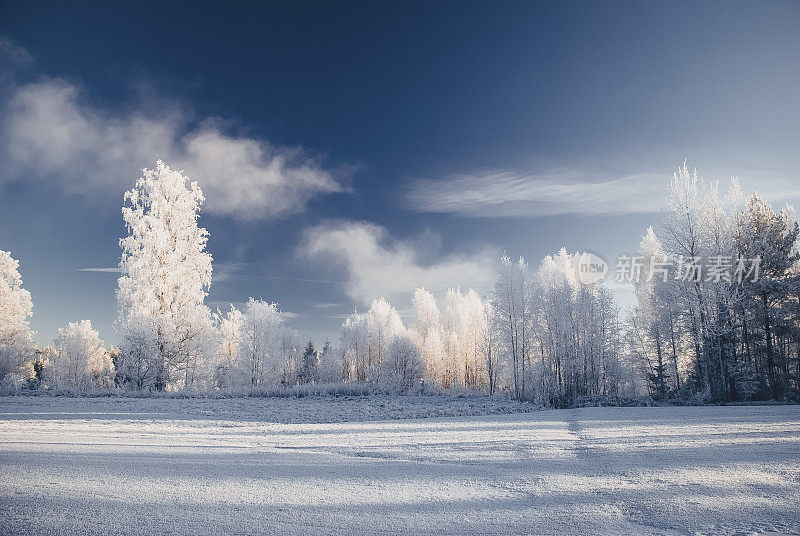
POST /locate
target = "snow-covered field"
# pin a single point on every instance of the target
(248, 466)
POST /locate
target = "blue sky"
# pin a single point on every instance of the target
(351, 151)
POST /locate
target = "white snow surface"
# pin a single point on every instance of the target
(343, 466)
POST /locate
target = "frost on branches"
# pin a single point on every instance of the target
(365, 339)
(167, 329)
(708, 335)
(16, 338)
(80, 360)
(250, 347)
(257, 350)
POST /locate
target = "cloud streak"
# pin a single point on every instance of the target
(110, 270)
(377, 265)
(51, 133)
(500, 194)
(511, 194)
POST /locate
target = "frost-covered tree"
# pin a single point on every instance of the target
(16, 307)
(556, 331)
(488, 347)
(772, 299)
(166, 277)
(80, 360)
(309, 372)
(402, 367)
(365, 338)
(475, 325)
(426, 329)
(654, 323)
(723, 307)
(383, 325)
(259, 356)
(140, 364)
(512, 310)
(330, 364)
(685, 239)
(464, 325)
(229, 328)
(291, 360)
(354, 341)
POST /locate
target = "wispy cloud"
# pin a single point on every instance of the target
(307, 280)
(563, 191)
(228, 271)
(326, 305)
(52, 132)
(13, 54)
(499, 194)
(378, 265)
(110, 269)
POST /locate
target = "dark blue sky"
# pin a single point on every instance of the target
(400, 109)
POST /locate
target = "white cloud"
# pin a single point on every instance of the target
(50, 133)
(326, 305)
(110, 270)
(252, 179)
(501, 194)
(229, 271)
(13, 54)
(377, 265)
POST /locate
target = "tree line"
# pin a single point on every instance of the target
(547, 334)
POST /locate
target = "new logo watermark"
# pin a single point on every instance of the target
(591, 268)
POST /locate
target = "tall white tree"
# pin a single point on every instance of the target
(685, 238)
(166, 275)
(489, 349)
(655, 339)
(513, 317)
(16, 307)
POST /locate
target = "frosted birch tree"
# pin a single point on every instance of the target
(229, 328)
(166, 276)
(383, 325)
(365, 339)
(402, 367)
(426, 329)
(512, 315)
(354, 341)
(259, 356)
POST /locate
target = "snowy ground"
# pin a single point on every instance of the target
(97, 466)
